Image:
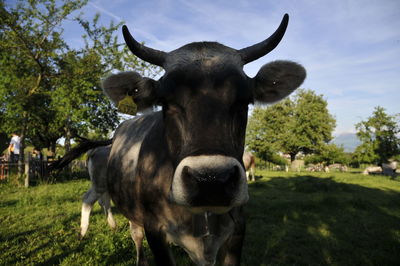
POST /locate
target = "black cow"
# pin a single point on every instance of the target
(178, 173)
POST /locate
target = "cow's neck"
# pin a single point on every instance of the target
(203, 237)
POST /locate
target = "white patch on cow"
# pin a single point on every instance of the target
(179, 194)
(85, 214)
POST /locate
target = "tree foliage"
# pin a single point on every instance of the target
(379, 135)
(329, 154)
(49, 90)
(301, 123)
(29, 45)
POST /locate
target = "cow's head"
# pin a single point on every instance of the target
(204, 95)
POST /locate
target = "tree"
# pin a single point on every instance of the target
(328, 155)
(47, 89)
(301, 123)
(265, 128)
(379, 137)
(30, 37)
(4, 141)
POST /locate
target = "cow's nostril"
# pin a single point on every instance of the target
(189, 175)
(199, 176)
(210, 186)
(205, 175)
(227, 175)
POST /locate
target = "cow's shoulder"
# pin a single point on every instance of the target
(132, 132)
(128, 141)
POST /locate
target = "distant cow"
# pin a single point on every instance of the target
(249, 165)
(389, 168)
(316, 168)
(97, 168)
(372, 170)
(338, 166)
(178, 174)
(386, 169)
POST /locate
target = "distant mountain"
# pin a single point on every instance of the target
(349, 141)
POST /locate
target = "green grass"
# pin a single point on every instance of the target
(293, 219)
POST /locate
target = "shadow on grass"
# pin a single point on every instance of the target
(46, 240)
(9, 203)
(306, 220)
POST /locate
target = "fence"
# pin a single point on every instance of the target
(32, 170)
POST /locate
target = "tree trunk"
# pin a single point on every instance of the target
(293, 166)
(67, 143)
(22, 136)
(292, 157)
(52, 148)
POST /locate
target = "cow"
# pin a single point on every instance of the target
(97, 168)
(249, 162)
(372, 170)
(389, 168)
(384, 169)
(177, 174)
(338, 166)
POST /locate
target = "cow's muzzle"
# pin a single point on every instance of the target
(213, 183)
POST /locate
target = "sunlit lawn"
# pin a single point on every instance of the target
(293, 219)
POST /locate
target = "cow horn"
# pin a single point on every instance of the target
(147, 54)
(260, 49)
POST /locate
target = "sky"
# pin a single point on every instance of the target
(350, 49)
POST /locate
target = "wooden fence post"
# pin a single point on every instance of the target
(8, 169)
(27, 170)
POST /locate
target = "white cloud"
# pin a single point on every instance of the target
(105, 11)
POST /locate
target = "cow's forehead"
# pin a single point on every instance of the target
(205, 54)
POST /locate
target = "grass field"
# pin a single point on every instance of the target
(293, 219)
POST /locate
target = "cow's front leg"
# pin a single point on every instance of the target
(231, 252)
(159, 247)
(137, 235)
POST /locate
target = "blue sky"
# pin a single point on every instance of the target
(351, 49)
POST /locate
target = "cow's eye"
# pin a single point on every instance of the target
(133, 92)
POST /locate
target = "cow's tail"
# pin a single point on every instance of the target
(84, 146)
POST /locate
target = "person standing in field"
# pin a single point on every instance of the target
(14, 147)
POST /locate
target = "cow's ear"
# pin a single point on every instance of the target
(143, 90)
(276, 80)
